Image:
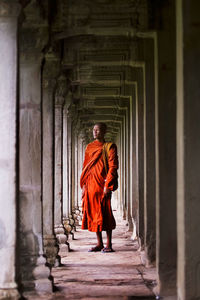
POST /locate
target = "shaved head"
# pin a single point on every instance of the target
(102, 126)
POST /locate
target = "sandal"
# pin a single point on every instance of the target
(96, 249)
(107, 250)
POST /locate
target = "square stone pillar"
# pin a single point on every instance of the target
(188, 149)
(166, 220)
(134, 175)
(80, 166)
(48, 90)
(65, 164)
(75, 211)
(123, 169)
(67, 214)
(58, 171)
(33, 270)
(71, 166)
(9, 11)
(76, 181)
(127, 169)
(149, 153)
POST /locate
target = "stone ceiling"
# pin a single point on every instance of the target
(99, 48)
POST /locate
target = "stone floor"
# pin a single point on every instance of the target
(117, 275)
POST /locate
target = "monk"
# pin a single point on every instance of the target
(97, 182)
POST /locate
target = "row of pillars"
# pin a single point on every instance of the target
(171, 168)
(161, 200)
(37, 206)
(34, 166)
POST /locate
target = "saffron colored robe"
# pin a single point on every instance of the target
(97, 212)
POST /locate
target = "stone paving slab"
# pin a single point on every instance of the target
(88, 275)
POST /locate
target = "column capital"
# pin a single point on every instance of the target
(81, 134)
(49, 83)
(50, 71)
(61, 91)
(9, 8)
(51, 65)
(72, 113)
(34, 30)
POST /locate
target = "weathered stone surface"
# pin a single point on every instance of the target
(117, 275)
(9, 11)
(106, 15)
(188, 148)
(111, 58)
(61, 92)
(50, 72)
(32, 262)
(166, 155)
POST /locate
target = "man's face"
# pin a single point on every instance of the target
(98, 133)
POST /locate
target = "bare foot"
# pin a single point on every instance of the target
(107, 250)
(96, 248)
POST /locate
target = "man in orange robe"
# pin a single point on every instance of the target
(97, 186)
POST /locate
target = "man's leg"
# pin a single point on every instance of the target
(99, 245)
(108, 247)
(109, 239)
(99, 239)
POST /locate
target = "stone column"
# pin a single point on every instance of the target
(119, 199)
(188, 149)
(149, 154)
(71, 168)
(166, 220)
(140, 164)
(65, 165)
(50, 243)
(76, 144)
(58, 182)
(121, 172)
(78, 165)
(9, 11)
(127, 169)
(34, 273)
(81, 156)
(134, 177)
(66, 172)
(123, 164)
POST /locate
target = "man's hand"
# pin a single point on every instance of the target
(106, 191)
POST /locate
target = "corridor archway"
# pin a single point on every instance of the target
(66, 65)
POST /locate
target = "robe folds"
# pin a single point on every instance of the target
(97, 212)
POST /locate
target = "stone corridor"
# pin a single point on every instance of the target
(65, 66)
(117, 275)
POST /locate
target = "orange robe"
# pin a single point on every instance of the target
(97, 212)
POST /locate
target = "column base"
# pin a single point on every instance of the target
(124, 214)
(134, 234)
(166, 288)
(144, 259)
(68, 227)
(77, 216)
(9, 294)
(80, 216)
(130, 225)
(72, 223)
(36, 278)
(61, 237)
(168, 295)
(150, 255)
(51, 250)
(41, 274)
